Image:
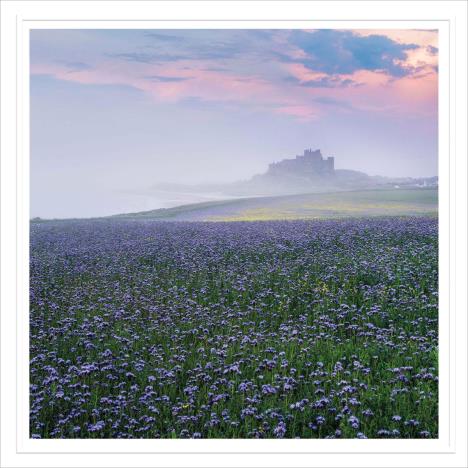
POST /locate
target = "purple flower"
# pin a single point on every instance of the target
(268, 389)
(96, 427)
(353, 421)
(280, 430)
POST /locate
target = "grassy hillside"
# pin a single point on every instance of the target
(394, 202)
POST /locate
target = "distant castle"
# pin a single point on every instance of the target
(311, 163)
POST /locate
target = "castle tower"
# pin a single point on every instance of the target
(311, 164)
(313, 155)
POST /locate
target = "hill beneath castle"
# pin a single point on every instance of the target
(306, 173)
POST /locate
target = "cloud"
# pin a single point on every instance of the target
(431, 50)
(343, 52)
(145, 57)
(215, 69)
(170, 48)
(166, 79)
(216, 52)
(165, 37)
(275, 71)
(74, 66)
(329, 101)
(332, 81)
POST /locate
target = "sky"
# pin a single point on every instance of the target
(114, 112)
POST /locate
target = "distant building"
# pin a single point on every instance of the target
(311, 163)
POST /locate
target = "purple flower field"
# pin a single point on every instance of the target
(277, 329)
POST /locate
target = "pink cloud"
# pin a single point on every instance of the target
(266, 88)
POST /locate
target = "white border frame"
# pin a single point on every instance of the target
(23, 16)
(25, 444)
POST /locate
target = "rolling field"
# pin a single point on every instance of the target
(268, 329)
(364, 203)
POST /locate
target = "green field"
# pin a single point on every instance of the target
(364, 203)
